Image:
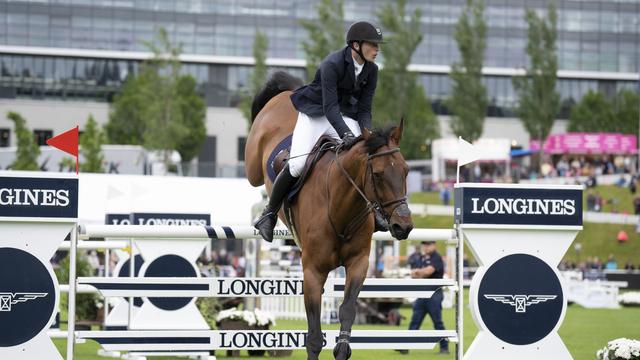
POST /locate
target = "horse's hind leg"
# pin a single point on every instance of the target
(313, 284)
(356, 273)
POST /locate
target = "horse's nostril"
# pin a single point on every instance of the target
(397, 229)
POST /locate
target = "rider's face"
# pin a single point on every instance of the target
(370, 51)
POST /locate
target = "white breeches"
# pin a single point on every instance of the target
(307, 132)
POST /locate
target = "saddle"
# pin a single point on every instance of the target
(281, 154)
(277, 161)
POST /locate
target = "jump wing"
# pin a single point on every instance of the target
(505, 299)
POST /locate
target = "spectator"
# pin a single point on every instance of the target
(591, 201)
(611, 263)
(428, 264)
(94, 261)
(445, 195)
(636, 205)
(622, 237)
(629, 266)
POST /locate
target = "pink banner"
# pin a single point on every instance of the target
(588, 143)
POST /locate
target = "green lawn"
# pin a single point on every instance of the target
(584, 332)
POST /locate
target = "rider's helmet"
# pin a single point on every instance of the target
(364, 31)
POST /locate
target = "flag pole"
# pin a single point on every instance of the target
(458, 162)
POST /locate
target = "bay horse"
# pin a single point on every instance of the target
(332, 214)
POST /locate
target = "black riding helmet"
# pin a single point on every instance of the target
(362, 31)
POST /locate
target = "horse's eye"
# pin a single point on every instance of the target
(377, 176)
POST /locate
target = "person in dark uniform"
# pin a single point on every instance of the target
(428, 264)
(336, 103)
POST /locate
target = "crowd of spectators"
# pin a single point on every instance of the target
(572, 166)
(595, 264)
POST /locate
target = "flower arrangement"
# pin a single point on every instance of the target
(620, 349)
(256, 317)
(629, 298)
(399, 273)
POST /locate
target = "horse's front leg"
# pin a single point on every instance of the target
(356, 273)
(313, 284)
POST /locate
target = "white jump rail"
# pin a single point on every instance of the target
(186, 340)
(251, 287)
(171, 340)
(227, 232)
(94, 245)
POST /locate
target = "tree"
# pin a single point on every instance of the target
(592, 114)
(468, 101)
(27, 151)
(91, 142)
(626, 107)
(399, 94)
(258, 76)
(325, 34)
(160, 108)
(538, 100)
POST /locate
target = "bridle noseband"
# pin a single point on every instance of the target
(371, 205)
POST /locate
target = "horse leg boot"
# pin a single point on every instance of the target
(313, 285)
(267, 221)
(356, 273)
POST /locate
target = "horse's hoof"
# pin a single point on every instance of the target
(342, 351)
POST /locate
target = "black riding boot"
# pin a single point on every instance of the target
(267, 222)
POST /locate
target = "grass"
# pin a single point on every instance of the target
(584, 331)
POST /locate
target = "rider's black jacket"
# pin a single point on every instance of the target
(334, 90)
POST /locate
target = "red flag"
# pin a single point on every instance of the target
(67, 142)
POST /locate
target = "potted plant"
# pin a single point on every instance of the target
(620, 349)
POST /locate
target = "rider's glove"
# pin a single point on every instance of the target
(348, 140)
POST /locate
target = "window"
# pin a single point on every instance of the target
(42, 136)
(242, 142)
(4, 137)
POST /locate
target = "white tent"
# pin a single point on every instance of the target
(444, 150)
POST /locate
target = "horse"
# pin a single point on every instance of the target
(332, 215)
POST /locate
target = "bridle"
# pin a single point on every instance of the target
(371, 205)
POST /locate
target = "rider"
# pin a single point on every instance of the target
(336, 103)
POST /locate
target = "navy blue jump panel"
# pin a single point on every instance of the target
(33, 197)
(518, 206)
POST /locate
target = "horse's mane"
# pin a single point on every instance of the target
(278, 82)
(379, 138)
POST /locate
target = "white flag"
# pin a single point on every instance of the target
(466, 152)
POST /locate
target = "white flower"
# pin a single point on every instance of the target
(252, 318)
(629, 298)
(264, 317)
(620, 349)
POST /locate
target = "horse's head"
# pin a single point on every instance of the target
(386, 178)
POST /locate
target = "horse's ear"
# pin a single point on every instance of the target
(366, 133)
(397, 132)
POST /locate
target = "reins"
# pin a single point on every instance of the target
(370, 205)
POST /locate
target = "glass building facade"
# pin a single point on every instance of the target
(85, 49)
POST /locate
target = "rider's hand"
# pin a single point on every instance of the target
(348, 140)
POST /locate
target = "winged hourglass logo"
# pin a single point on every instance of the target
(520, 302)
(8, 299)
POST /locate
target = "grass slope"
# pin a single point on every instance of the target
(584, 331)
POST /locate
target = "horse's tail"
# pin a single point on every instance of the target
(278, 82)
